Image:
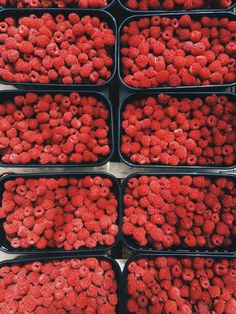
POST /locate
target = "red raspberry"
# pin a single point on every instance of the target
(26, 47)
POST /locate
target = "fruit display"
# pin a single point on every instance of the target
(92, 92)
(170, 5)
(163, 285)
(160, 51)
(73, 49)
(55, 3)
(163, 212)
(55, 128)
(177, 130)
(64, 212)
(76, 285)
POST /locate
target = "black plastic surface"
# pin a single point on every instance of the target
(132, 245)
(194, 15)
(132, 97)
(122, 4)
(116, 189)
(115, 267)
(7, 95)
(104, 15)
(152, 256)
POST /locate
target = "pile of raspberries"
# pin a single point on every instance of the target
(145, 5)
(169, 52)
(165, 285)
(47, 49)
(184, 211)
(54, 3)
(174, 131)
(54, 129)
(66, 213)
(86, 285)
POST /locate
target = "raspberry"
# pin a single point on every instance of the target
(163, 76)
(197, 49)
(12, 55)
(216, 78)
(26, 47)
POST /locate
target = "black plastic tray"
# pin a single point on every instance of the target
(195, 15)
(131, 244)
(121, 3)
(115, 267)
(5, 244)
(152, 256)
(7, 95)
(110, 4)
(131, 97)
(106, 16)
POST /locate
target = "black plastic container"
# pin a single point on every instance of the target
(115, 267)
(104, 15)
(7, 95)
(5, 244)
(110, 4)
(194, 15)
(152, 256)
(131, 244)
(202, 95)
(122, 4)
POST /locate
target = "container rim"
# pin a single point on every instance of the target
(130, 11)
(125, 100)
(94, 93)
(183, 251)
(169, 88)
(34, 251)
(39, 11)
